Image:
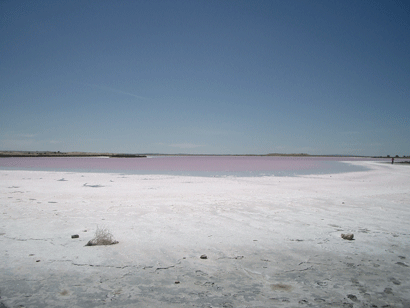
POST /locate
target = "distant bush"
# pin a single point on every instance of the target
(102, 237)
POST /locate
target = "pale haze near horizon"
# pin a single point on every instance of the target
(206, 77)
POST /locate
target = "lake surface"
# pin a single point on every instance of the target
(190, 165)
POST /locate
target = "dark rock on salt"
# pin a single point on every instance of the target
(347, 236)
(204, 257)
(352, 297)
(75, 236)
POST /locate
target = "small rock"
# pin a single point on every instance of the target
(347, 236)
(37, 260)
(177, 282)
(75, 236)
(204, 257)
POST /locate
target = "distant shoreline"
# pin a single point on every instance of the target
(122, 155)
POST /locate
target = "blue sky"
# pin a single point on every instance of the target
(206, 77)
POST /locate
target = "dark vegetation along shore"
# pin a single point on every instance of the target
(62, 154)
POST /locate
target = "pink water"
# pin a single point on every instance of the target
(188, 165)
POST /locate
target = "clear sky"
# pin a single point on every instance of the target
(206, 77)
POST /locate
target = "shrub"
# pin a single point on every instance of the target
(102, 236)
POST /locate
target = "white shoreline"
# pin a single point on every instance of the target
(270, 241)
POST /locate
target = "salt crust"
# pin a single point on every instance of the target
(269, 241)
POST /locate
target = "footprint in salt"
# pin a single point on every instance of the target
(281, 287)
(395, 281)
(95, 186)
(402, 264)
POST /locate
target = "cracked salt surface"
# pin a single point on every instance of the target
(268, 241)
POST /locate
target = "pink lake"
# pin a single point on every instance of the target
(189, 165)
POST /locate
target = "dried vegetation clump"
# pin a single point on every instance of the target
(102, 236)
